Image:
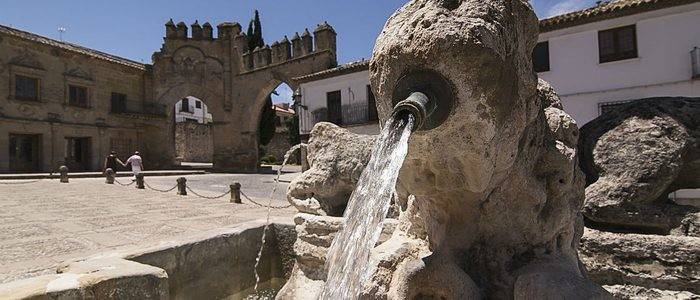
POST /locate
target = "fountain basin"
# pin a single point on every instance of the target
(215, 264)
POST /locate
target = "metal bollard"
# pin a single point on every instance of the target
(109, 176)
(139, 181)
(235, 192)
(182, 186)
(64, 173)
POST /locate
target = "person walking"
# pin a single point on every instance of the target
(112, 161)
(136, 163)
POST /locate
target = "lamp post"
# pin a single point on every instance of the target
(61, 30)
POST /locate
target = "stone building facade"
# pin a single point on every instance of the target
(193, 142)
(65, 104)
(279, 144)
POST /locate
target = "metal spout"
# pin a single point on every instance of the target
(416, 105)
(426, 95)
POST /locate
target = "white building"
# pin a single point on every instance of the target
(611, 53)
(620, 51)
(191, 109)
(341, 95)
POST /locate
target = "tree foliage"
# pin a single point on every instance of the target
(266, 127)
(254, 33)
(293, 128)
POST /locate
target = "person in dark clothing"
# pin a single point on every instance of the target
(112, 161)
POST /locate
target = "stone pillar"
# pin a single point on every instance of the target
(235, 192)
(139, 181)
(182, 186)
(63, 170)
(304, 161)
(109, 176)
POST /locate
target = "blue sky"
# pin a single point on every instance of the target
(134, 28)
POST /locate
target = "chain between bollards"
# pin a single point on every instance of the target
(208, 197)
(263, 205)
(159, 190)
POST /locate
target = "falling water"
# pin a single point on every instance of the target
(267, 221)
(348, 256)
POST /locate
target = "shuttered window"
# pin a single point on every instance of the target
(617, 43)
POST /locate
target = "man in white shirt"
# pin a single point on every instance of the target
(136, 163)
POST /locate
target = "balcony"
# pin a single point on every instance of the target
(351, 114)
(138, 108)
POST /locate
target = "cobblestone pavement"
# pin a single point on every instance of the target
(47, 222)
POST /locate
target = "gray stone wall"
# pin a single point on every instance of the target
(52, 119)
(194, 142)
(279, 145)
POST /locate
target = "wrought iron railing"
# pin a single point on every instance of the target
(351, 114)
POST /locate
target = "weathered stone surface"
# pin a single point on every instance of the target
(634, 156)
(108, 278)
(314, 235)
(194, 142)
(209, 265)
(497, 187)
(648, 261)
(336, 158)
(640, 293)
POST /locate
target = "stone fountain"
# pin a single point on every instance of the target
(489, 195)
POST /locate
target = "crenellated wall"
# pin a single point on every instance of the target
(219, 69)
(130, 106)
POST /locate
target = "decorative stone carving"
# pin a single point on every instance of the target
(337, 158)
(637, 154)
(27, 59)
(26, 110)
(497, 188)
(77, 72)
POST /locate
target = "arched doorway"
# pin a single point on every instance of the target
(194, 142)
(276, 126)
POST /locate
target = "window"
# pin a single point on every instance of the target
(617, 43)
(118, 103)
(198, 104)
(185, 107)
(77, 96)
(122, 146)
(371, 105)
(26, 88)
(335, 110)
(540, 57)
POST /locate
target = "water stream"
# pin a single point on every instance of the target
(256, 294)
(348, 256)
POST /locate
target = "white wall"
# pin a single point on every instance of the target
(353, 89)
(663, 66)
(200, 114)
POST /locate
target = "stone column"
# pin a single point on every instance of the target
(109, 176)
(235, 192)
(182, 186)
(64, 173)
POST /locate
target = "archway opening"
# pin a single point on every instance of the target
(194, 141)
(278, 129)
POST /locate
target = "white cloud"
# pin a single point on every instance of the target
(565, 6)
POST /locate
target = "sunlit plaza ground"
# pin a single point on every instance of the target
(45, 223)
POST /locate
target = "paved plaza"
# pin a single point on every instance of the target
(44, 223)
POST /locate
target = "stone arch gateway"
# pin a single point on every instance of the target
(234, 81)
